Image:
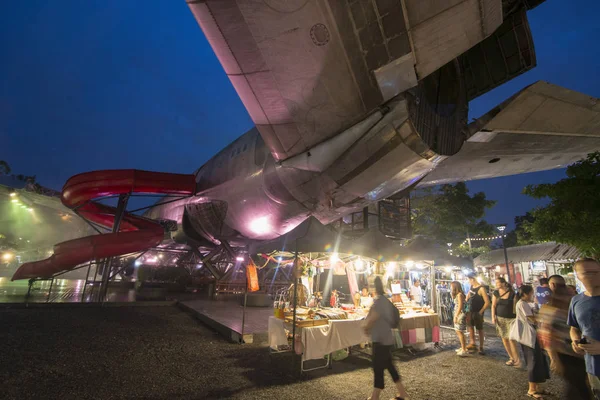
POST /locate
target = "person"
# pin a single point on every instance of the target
(503, 315)
(537, 366)
(460, 317)
(542, 293)
(556, 282)
(478, 301)
(554, 336)
(584, 320)
(366, 301)
(416, 293)
(382, 318)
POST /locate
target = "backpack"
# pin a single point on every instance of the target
(467, 306)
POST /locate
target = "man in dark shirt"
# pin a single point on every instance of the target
(478, 301)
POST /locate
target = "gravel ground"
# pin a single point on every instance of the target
(163, 353)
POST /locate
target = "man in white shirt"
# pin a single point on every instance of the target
(416, 293)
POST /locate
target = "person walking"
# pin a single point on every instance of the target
(584, 320)
(460, 317)
(554, 336)
(503, 314)
(524, 331)
(478, 301)
(382, 318)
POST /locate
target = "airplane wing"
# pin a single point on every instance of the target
(307, 70)
(542, 127)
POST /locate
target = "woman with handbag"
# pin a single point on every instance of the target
(524, 332)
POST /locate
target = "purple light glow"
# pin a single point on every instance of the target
(260, 225)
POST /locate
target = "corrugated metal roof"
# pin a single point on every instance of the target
(550, 251)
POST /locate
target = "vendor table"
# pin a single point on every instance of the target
(420, 328)
(320, 341)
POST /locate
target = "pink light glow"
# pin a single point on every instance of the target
(239, 258)
(260, 225)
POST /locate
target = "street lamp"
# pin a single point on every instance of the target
(502, 228)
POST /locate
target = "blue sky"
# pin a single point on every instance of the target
(88, 85)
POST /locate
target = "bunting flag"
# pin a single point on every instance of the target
(252, 277)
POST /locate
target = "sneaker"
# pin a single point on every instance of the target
(462, 353)
(458, 350)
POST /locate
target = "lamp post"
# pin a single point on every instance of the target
(502, 228)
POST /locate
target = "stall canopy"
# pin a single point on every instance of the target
(550, 251)
(313, 237)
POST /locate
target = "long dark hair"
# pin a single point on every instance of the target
(379, 286)
(505, 284)
(456, 289)
(524, 291)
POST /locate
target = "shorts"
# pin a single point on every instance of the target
(503, 326)
(475, 319)
(461, 323)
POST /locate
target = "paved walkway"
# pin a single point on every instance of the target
(164, 353)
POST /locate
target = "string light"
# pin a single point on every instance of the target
(485, 238)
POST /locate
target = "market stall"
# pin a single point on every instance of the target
(323, 311)
(319, 332)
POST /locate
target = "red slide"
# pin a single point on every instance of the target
(135, 233)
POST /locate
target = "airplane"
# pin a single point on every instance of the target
(354, 101)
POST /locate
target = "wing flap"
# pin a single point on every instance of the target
(542, 127)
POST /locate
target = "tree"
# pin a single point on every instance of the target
(573, 214)
(4, 168)
(521, 235)
(448, 214)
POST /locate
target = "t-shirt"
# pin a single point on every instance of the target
(542, 294)
(584, 314)
(382, 328)
(416, 293)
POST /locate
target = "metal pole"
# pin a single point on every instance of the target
(295, 301)
(50, 290)
(244, 312)
(433, 288)
(87, 276)
(505, 259)
(121, 206)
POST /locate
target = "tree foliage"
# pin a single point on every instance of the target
(447, 214)
(4, 168)
(521, 235)
(573, 214)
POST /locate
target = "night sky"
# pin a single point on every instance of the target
(88, 85)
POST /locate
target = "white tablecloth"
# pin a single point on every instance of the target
(338, 334)
(277, 336)
(319, 341)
